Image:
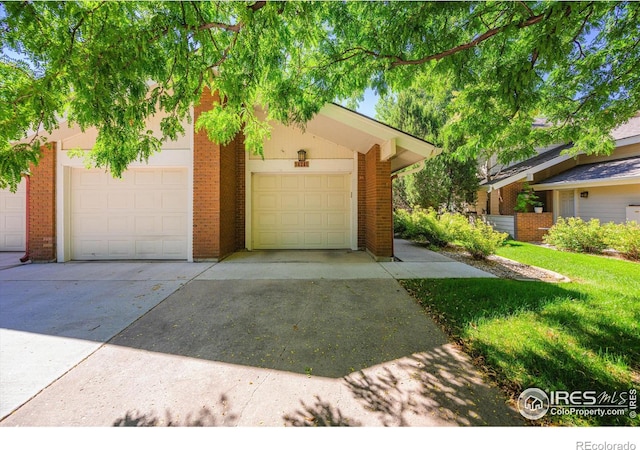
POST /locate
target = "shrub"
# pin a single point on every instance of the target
(574, 234)
(481, 240)
(428, 227)
(454, 225)
(401, 221)
(478, 238)
(625, 238)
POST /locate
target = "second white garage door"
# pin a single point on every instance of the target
(294, 211)
(13, 219)
(141, 216)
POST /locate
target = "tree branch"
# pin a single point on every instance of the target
(483, 37)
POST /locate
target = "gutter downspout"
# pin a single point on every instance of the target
(26, 256)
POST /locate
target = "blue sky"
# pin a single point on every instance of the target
(368, 105)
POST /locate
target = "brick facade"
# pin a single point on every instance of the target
(219, 199)
(509, 195)
(218, 192)
(378, 205)
(240, 192)
(206, 188)
(42, 207)
(362, 201)
(531, 227)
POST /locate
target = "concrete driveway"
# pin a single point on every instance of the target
(260, 339)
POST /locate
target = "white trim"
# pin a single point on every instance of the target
(286, 166)
(388, 149)
(190, 187)
(584, 184)
(167, 158)
(628, 141)
(379, 130)
(63, 198)
(526, 174)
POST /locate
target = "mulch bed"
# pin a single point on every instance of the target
(504, 268)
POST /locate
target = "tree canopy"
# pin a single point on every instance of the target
(446, 182)
(113, 64)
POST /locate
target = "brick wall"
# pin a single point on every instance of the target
(494, 202)
(531, 227)
(240, 193)
(509, 197)
(206, 189)
(362, 204)
(378, 203)
(42, 207)
(218, 192)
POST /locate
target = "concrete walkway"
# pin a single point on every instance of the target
(414, 262)
(103, 344)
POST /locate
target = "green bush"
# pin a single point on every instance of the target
(481, 240)
(477, 238)
(427, 227)
(401, 221)
(576, 235)
(624, 238)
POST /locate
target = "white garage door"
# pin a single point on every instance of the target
(301, 211)
(141, 216)
(13, 220)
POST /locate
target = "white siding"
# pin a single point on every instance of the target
(286, 141)
(504, 224)
(608, 203)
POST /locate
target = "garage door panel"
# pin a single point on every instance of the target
(90, 200)
(289, 220)
(146, 178)
(85, 224)
(176, 225)
(313, 220)
(120, 249)
(92, 178)
(267, 201)
(337, 220)
(115, 224)
(145, 200)
(291, 211)
(337, 182)
(13, 219)
(142, 218)
(289, 201)
(313, 201)
(173, 201)
(337, 238)
(313, 181)
(120, 200)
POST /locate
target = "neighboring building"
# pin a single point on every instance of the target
(196, 200)
(586, 186)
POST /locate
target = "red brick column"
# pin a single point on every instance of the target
(42, 207)
(531, 227)
(228, 198)
(206, 188)
(379, 217)
(240, 193)
(218, 192)
(362, 201)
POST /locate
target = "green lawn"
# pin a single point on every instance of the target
(583, 335)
